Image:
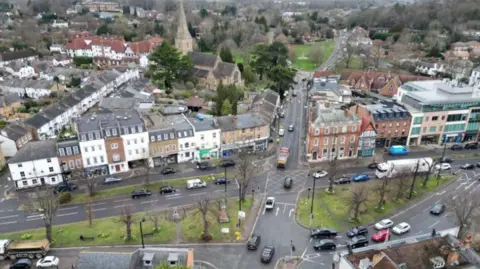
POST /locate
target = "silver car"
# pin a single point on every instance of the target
(112, 180)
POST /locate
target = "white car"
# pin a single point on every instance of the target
(48, 261)
(270, 203)
(320, 174)
(281, 132)
(401, 228)
(384, 224)
(443, 166)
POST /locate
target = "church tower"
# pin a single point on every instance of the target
(183, 39)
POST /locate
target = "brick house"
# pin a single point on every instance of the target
(115, 153)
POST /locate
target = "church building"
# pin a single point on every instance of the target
(210, 70)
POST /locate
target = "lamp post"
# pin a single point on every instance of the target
(308, 193)
(313, 198)
(141, 232)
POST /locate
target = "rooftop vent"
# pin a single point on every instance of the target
(172, 258)
(147, 259)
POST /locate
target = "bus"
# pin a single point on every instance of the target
(393, 168)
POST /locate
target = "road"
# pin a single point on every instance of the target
(337, 52)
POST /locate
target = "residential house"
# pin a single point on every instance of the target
(465, 46)
(195, 103)
(135, 137)
(58, 48)
(430, 68)
(185, 133)
(266, 105)
(332, 133)
(17, 56)
(367, 138)
(9, 103)
(459, 69)
(13, 137)
(92, 145)
(456, 54)
(475, 76)
(20, 69)
(163, 146)
(36, 164)
(103, 6)
(207, 137)
(392, 121)
(330, 88)
(61, 60)
(59, 24)
(69, 155)
(243, 132)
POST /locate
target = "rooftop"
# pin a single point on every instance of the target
(440, 92)
(203, 123)
(326, 116)
(242, 121)
(95, 121)
(36, 150)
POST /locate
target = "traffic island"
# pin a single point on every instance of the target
(360, 203)
(288, 262)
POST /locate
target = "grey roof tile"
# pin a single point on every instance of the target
(36, 150)
(37, 121)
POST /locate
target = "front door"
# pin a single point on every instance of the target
(117, 168)
(42, 181)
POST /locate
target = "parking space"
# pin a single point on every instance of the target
(276, 179)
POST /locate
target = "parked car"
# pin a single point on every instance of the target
(446, 160)
(254, 242)
(372, 166)
(467, 166)
(381, 235)
(22, 264)
(323, 232)
(437, 209)
(401, 228)
(324, 244)
(48, 261)
(141, 193)
(290, 128)
(282, 114)
(294, 93)
(270, 203)
(443, 166)
(478, 165)
(167, 189)
(384, 224)
(221, 180)
(267, 254)
(397, 150)
(361, 177)
(205, 166)
(288, 182)
(227, 163)
(195, 184)
(65, 186)
(471, 145)
(281, 132)
(112, 180)
(320, 174)
(342, 180)
(456, 147)
(357, 242)
(168, 170)
(359, 230)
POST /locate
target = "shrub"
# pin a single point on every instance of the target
(103, 234)
(65, 197)
(186, 94)
(26, 236)
(206, 237)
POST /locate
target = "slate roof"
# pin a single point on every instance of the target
(199, 73)
(70, 101)
(238, 122)
(323, 117)
(202, 59)
(9, 99)
(203, 125)
(115, 104)
(15, 55)
(225, 69)
(36, 150)
(37, 121)
(54, 110)
(89, 123)
(107, 260)
(15, 131)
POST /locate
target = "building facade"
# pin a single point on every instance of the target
(207, 138)
(367, 139)
(185, 133)
(69, 155)
(92, 145)
(163, 145)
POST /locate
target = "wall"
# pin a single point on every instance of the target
(36, 171)
(209, 139)
(186, 154)
(88, 155)
(116, 155)
(136, 146)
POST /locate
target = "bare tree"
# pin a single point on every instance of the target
(203, 208)
(464, 207)
(400, 184)
(377, 52)
(147, 173)
(429, 172)
(246, 169)
(358, 200)
(414, 180)
(316, 54)
(382, 189)
(90, 182)
(348, 54)
(332, 173)
(127, 219)
(89, 211)
(46, 201)
(155, 216)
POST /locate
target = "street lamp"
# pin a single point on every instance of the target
(308, 193)
(141, 232)
(313, 198)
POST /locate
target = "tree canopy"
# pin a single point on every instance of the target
(226, 54)
(230, 93)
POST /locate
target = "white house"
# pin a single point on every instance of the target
(475, 76)
(61, 60)
(135, 137)
(20, 70)
(56, 48)
(35, 165)
(38, 88)
(207, 138)
(59, 24)
(17, 56)
(92, 145)
(430, 68)
(185, 133)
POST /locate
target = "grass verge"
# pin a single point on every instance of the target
(303, 50)
(192, 224)
(332, 210)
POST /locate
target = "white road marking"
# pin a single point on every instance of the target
(278, 209)
(454, 197)
(446, 215)
(5, 186)
(238, 185)
(436, 222)
(117, 206)
(284, 207)
(1, 211)
(122, 200)
(442, 192)
(149, 202)
(468, 187)
(338, 236)
(67, 208)
(305, 251)
(200, 193)
(10, 222)
(290, 213)
(280, 203)
(67, 214)
(264, 209)
(99, 204)
(8, 217)
(99, 209)
(173, 197)
(414, 216)
(10, 210)
(426, 209)
(35, 216)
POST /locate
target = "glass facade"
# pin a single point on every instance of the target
(473, 126)
(415, 131)
(417, 120)
(455, 127)
(457, 117)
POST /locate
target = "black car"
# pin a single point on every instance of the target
(467, 166)
(359, 230)
(267, 254)
(437, 209)
(456, 147)
(471, 145)
(168, 170)
(288, 182)
(22, 264)
(253, 242)
(446, 160)
(342, 180)
(140, 193)
(324, 244)
(65, 186)
(205, 166)
(357, 242)
(372, 166)
(323, 232)
(221, 180)
(478, 165)
(227, 163)
(167, 189)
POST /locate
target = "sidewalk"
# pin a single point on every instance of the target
(251, 220)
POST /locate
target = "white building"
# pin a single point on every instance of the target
(92, 145)
(59, 24)
(20, 70)
(35, 165)
(135, 137)
(475, 76)
(186, 137)
(207, 138)
(430, 68)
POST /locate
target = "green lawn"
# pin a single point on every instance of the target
(192, 225)
(68, 235)
(303, 50)
(332, 210)
(355, 64)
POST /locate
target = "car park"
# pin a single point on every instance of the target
(359, 230)
(437, 209)
(227, 163)
(320, 174)
(267, 254)
(112, 180)
(324, 244)
(401, 228)
(361, 177)
(288, 182)
(254, 242)
(323, 232)
(65, 186)
(196, 184)
(167, 189)
(342, 180)
(141, 193)
(456, 147)
(384, 224)
(205, 166)
(467, 166)
(443, 166)
(167, 171)
(22, 264)
(221, 180)
(270, 203)
(471, 145)
(381, 235)
(290, 128)
(48, 261)
(357, 242)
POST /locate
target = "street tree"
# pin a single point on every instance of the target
(46, 201)
(358, 201)
(89, 211)
(377, 52)
(127, 219)
(316, 54)
(382, 189)
(414, 180)
(400, 185)
(203, 208)
(248, 75)
(464, 206)
(155, 214)
(430, 167)
(147, 172)
(246, 170)
(90, 182)
(348, 55)
(168, 65)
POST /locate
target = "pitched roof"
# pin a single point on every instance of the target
(15, 55)
(203, 59)
(36, 150)
(106, 260)
(225, 69)
(15, 131)
(241, 121)
(195, 102)
(37, 121)
(86, 43)
(182, 30)
(365, 122)
(9, 99)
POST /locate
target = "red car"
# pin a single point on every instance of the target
(381, 235)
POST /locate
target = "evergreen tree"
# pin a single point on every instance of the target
(226, 108)
(226, 54)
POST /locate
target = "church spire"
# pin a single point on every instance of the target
(183, 39)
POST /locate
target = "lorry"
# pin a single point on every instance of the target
(283, 157)
(394, 168)
(31, 249)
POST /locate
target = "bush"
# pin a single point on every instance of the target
(103, 235)
(26, 236)
(186, 94)
(65, 197)
(206, 237)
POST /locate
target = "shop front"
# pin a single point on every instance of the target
(164, 160)
(207, 154)
(452, 138)
(101, 170)
(471, 136)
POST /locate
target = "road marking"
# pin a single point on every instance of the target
(10, 222)
(200, 193)
(454, 197)
(67, 214)
(238, 185)
(278, 209)
(67, 208)
(338, 236)
(35, 216)
(8, 217)
(436, 222)
(284, 207)
(305, 251)
(117, 206)
(414, 216)
(149, 202)
(264, 209)
(419, 232)
(290, 213)
(5, 186)
(446, 215)
(103, 203)
(1, 211)
(99, 209)
(468, 187)
(440, 193)
(122, 200)
(426, 209)
(10, 210)
(285, 203)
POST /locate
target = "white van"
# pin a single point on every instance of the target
(196, 184)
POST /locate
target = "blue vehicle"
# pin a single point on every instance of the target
(397, 150)
(360, 178)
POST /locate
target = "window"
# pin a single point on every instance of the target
(22, 174)
(107, 132)
(243, 131)
(24, 183)
(71, 164)
(69, 151)
(398, 124)
(327, 130)
(132, 129)
(417, 120)
(325, 141)
(49, 160)
(342, 140)
(165, 136)
(174, 147)
(20, 165)
(99, 147)
(202, 146)
(152, 138)
(143, 150)
(75, 150)
(181, 146)
(187, 154)
(434, 118)
(415, 131)
(135, 141)
(335, 130)
(325, 152)
(61, 151)
(426, 118)
(159, 137)
(179, 134)
(128, 142)
(424, 130)
(352, 138)
(315, 142)
(78, 163)
(114, 145)
(95, 160)
(85, 149)
(344, 129)
(443, 117)
(167, 148)
(88, 161)
(97, 135)
(186, 145)
(84, 137)
(140, 128)
(317, 131)
(432, 129)
(354, 128)
(102, 159)
(130, 152)
(34, 181)
(93, 148)
(136, 151)
(90, 136)
(202, 137)
(185, 133)
(125, 130)
(172, 136)
(214, 135)
(116, 157)
(50, 169)
(114, 131)
(390, 125)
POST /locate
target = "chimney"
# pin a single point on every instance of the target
(468, 241)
